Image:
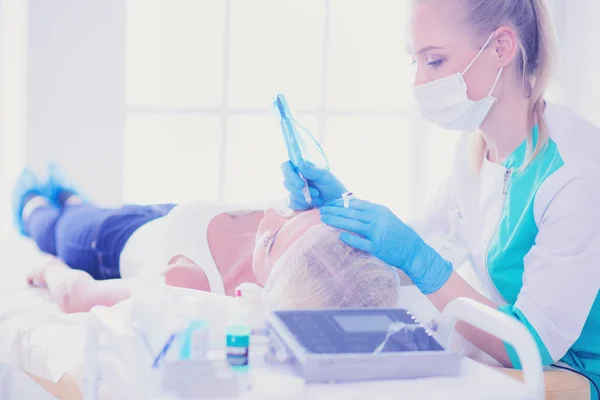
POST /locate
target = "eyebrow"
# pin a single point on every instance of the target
(428, 48)
(273, 241)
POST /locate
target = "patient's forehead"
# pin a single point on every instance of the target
(302, 221)
(295, 228)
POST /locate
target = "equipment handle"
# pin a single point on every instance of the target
(503, 327)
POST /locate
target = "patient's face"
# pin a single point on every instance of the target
(275, 234)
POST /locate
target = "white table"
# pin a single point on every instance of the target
(475, 381)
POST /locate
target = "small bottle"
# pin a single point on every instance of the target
(195, 338)
(252, 296)
(238, 335)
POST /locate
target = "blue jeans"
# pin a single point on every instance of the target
(90, 238)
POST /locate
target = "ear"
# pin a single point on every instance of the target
(506, 45)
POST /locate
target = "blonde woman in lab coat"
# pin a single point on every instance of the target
(524, 195)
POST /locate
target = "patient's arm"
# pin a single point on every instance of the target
(75, 290)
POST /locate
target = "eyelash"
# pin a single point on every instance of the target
(269, 240)
(435, 64)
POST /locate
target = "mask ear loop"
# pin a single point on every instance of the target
(478, 54)
(496, 81)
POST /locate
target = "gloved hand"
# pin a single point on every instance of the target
(376, 230)
(323, 185)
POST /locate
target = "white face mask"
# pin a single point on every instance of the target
(445, 102)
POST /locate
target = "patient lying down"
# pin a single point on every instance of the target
(298, 261)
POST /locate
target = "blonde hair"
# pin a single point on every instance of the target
(319, 271)
(531, 21)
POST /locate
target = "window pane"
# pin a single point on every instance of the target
(255, 151)
(276, 47)
(175, 52)
(368, 66)
(171, 158)
(371, 155)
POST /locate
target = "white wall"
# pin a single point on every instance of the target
(13, 39)
(578, 72)
(76, 106)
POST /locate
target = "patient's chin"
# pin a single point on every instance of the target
(188, 276)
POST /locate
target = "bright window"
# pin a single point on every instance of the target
(171, 157)
(201, 74)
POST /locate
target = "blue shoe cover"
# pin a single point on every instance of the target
(27, 185)
(56, 185)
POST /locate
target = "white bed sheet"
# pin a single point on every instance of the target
(35, 335)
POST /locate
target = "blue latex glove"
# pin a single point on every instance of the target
(374, 229)
(323, 185)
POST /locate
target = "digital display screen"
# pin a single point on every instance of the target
(363, 323)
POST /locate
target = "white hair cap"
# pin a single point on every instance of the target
(319, 271)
